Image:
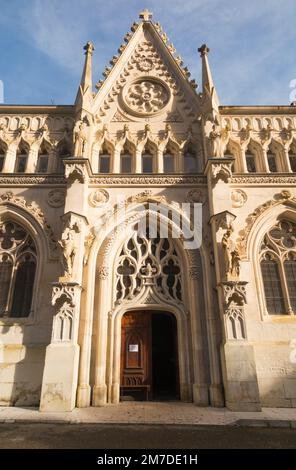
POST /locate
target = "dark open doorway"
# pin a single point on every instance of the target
(165, 377)
(149, 356)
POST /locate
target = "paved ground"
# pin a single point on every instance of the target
(174, 413)
(94, 436)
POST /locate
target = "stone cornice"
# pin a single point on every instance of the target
(144, 180)
(251, 110)
(8, 180)
(36, 109)
(269, 179)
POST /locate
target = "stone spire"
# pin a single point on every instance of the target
(84, 94)
(209, 90)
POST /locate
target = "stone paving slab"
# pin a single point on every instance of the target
(154, 413)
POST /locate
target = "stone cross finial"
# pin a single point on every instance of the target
(203, 50)
(89, 47)
(145, 15)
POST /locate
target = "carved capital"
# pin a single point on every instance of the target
(103, 272)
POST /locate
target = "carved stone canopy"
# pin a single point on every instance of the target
(219, 169)
(234, 292)
(223, 220)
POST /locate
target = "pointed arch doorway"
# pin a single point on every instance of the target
(149, 356)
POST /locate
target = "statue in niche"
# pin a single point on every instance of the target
(213, 139)
(230, 256)
(67, 243)
(215, 142)
(80, 138)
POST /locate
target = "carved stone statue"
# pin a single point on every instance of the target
(80, 138)
(68, 246)
(230, 256)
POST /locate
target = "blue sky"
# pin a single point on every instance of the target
(252, 44)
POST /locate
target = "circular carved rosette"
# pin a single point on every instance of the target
(238, 198)
(56, 197)
(98, 198)
(146, 96)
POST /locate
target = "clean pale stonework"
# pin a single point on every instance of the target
(82, 291)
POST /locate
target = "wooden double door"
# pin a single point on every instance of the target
(149, 358)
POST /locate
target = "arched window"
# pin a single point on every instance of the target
(272, 163)
(250, 161)
(147, 161)
(21, 158)
(168, 161)
(17, 270)
(42, 159)
(292, 159)
(104, 160)
(190, 160)
(63, 151)
(2, 155)
(278, 268)
(125, 161)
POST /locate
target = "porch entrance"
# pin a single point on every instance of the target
(149, 356)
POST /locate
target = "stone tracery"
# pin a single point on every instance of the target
(148, 261)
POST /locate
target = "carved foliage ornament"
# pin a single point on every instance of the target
(146, 96)
(144, 64)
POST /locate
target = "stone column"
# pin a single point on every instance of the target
(62, 355)
(9, 162)
(60, 375)
(100, 387)
(200, 387)
(32, 160)
(237, 354)
(159, 161)
(138, 162)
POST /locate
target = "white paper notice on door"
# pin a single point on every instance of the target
(133, 348)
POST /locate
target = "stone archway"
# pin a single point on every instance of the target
(101, 372)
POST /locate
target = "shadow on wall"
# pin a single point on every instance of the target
(278, 391)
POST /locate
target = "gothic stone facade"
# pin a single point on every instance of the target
(70, 271)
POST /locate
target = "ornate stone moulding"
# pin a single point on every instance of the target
(145, 96)
(12, 180)
(36, 212)
(284, 197)
(268, 179)
(155, 180)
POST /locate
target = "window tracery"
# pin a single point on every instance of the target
(148, 261)
(17, 270)
(278, 268)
